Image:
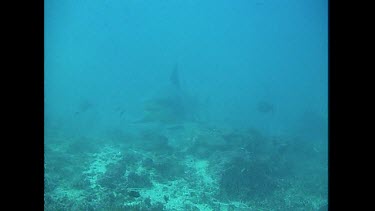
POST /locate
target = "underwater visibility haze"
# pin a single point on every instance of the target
(186, 105)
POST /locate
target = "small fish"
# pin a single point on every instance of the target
(265, 107)
(83, 107)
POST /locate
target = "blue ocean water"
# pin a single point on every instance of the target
(187, 82)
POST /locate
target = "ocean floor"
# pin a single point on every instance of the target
(186, 167)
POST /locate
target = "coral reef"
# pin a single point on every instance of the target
(194, 167)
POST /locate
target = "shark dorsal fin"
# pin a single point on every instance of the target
(175, 80)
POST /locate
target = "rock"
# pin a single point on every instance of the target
(134, 194)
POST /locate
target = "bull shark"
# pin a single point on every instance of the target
(173, 108)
